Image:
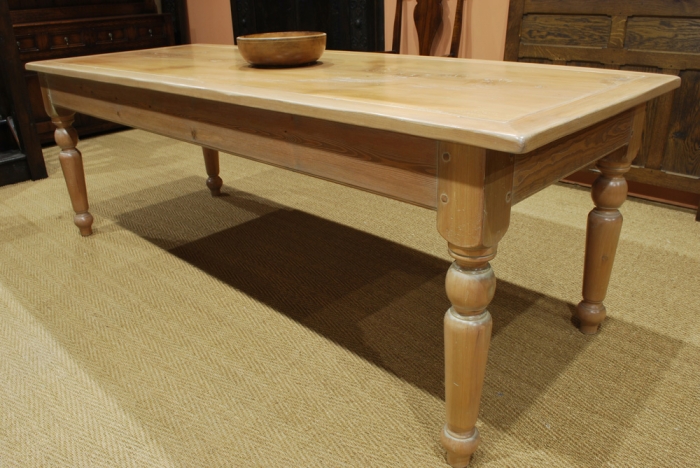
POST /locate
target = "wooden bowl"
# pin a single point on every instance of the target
(282, 49)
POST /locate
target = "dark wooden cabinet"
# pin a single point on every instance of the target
(20, 152)
(350, 25)
(47, 29)
(656, 36)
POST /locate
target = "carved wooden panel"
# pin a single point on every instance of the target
(566, 30)
(614, 7)
(653, 36)
(663, 34)
(682, 154)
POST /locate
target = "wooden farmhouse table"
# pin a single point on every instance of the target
(467, 138)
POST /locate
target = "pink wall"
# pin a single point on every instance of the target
(483, 31)
(210, 21)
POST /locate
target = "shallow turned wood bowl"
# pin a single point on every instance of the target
(282, 49)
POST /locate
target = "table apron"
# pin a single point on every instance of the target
(542, 167)
(395, 165)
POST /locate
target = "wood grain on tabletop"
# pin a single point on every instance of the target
(504, 106)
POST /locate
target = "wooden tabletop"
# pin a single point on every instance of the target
(505, 106)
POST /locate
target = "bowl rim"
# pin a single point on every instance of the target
(282, 35)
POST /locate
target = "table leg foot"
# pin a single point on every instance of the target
(470, 286)
(459, 449)
(211, 162)
(590, 317)
(84, 223)
(609, 192)
(72, 166)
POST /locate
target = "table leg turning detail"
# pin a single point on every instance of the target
(211, 163)
(470, 286)
(609, 192)
(474, 201)
(72, 166)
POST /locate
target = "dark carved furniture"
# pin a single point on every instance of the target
(20, 152)
(46, 29)
(427, 16)
(657, 36)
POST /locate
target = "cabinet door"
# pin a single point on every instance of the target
(655, 36)
(40, 41)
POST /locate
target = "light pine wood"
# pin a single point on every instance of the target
(70, 158)
(544, 166)
(609, 192)
(395, 165)
(211, 163)
(470, 286)
(495, 105)
(440, 133)
(475, 195)
(72, 166)
(287, 48)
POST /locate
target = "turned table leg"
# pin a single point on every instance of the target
(609, 192)
(470, 286)
(72, 165)
(211, 162)
(474, 196)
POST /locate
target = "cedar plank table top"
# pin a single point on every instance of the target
(504, 106)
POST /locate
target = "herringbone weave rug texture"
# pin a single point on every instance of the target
(298, 323)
